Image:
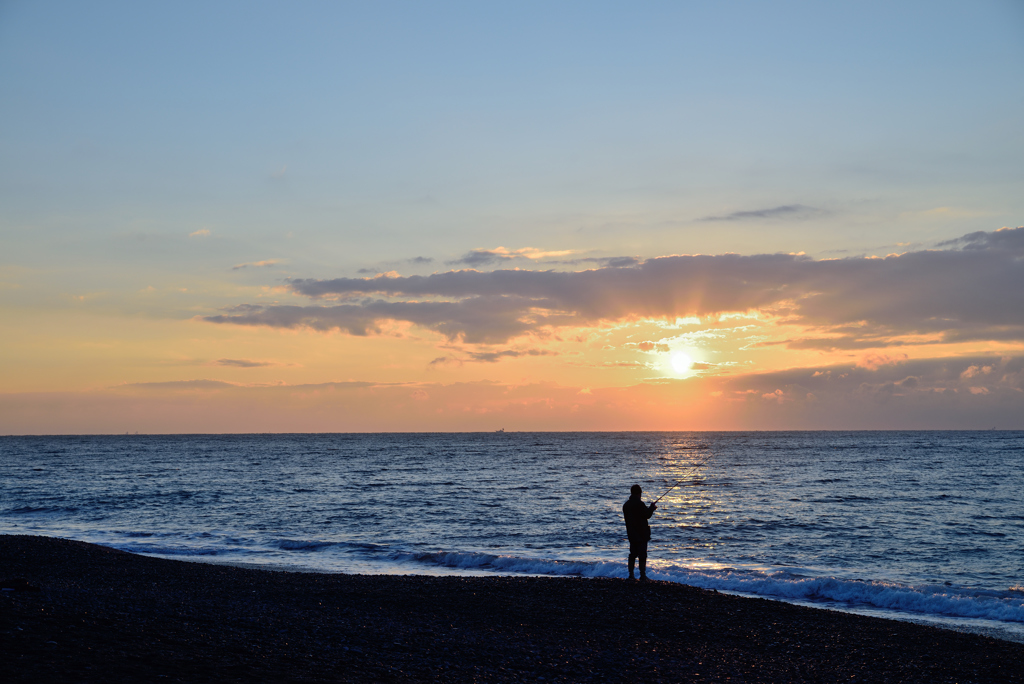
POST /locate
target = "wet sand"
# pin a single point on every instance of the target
(102, 615)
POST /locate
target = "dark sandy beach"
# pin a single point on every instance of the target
(105, 615)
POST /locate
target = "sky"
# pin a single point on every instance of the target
(461, 216)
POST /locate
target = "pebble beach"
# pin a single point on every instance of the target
(77, 612)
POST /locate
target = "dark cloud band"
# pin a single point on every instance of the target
(784, 211)
(972, 289)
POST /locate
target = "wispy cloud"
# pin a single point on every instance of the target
(783, 211)
(648, 346)
(610, 262)
(387, 266)
(495, 356)
(967, 292)
(488, 356)
(464, 356)
(202, 232)
(483, 257)
(979, 391)
(181, 385)
(256, 264)
(242, 363)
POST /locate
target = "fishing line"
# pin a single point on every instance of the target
(679, 482)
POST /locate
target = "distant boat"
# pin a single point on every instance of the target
(501, 430)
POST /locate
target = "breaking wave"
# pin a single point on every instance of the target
(959, 602)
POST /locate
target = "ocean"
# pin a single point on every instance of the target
(921, 526)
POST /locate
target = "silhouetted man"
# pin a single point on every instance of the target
(637, 529)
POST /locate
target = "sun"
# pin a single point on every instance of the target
(681, 362)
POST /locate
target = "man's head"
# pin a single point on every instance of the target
(635, 490)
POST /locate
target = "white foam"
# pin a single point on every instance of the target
(942, 601)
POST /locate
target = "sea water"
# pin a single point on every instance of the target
(925, 526)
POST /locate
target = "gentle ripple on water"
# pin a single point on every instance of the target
(928, 523)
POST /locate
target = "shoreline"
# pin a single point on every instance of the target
(965, 625)
(106, 615)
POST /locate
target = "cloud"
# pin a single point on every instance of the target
(489, 356)
(614, 364)
(202, 232)
(648, 346)
(415, 261)
(876, 361)
(476, 320)
(181, 385)
(798, 211)
(242, 363)
(613, 262)
(222, 385)
(864, 341)
(483, 257)
(619, 262)
(975, 371)
(494, 356)
(256, 264)
(1003, 239)
(1003, 374)
(917, 394)
(972, 290)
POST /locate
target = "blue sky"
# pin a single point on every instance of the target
(451, 126)
(166, 161)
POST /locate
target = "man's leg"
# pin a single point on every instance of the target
(632, 560)
(642, 554)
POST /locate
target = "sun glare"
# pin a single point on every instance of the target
(681, 362)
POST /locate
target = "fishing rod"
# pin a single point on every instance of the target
(679, 482)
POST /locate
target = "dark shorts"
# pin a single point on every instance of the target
(638, 547)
